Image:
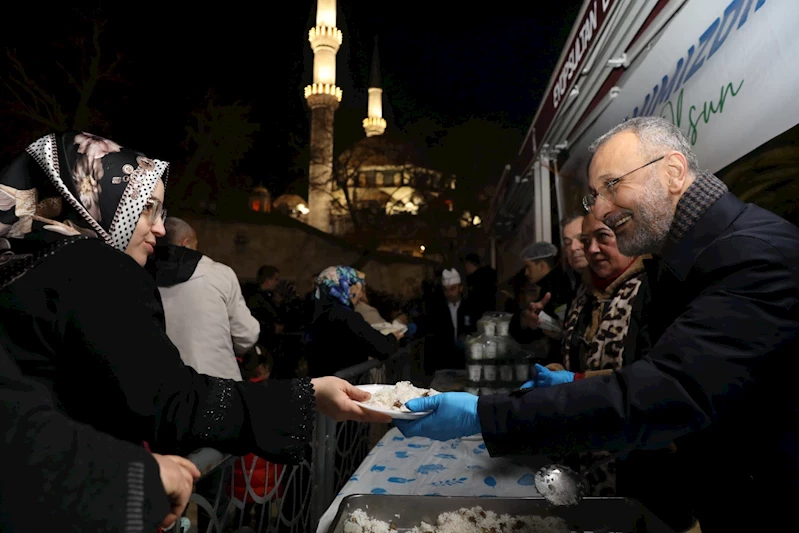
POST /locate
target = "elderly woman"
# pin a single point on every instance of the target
(79, 216)
(336, 324)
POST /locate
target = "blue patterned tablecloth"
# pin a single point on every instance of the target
(421, 466)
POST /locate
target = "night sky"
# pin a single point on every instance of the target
(437, 67)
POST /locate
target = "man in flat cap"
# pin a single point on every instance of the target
(546, 274)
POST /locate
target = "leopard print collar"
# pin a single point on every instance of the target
(598, 322)
(636, 267)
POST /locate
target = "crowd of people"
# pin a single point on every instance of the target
(342, 308)
(676, 308)
(674, 348)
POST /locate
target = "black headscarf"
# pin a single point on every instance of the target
(71, 185)
(77, 183)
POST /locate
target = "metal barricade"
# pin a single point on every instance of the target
(299, 494)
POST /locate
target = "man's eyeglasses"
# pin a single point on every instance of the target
(609, 194)
(154, 208)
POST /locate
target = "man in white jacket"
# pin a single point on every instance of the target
(206, 316)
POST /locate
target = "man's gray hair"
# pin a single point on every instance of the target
(177, 230)
(656, 135)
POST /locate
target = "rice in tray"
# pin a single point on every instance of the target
(394, 398)
(474, 520)
(360, 522)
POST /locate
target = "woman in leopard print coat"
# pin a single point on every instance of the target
(605, 329)
(602, 329)
(605, 325)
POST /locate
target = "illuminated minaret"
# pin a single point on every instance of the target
(374, 123)
(323, 98)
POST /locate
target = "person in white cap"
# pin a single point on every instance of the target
(451, 322)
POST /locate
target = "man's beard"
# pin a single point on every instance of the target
(651, 222)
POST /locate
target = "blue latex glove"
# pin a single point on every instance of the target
(528, 385)
(411, 329)
(545, 377)
(454, 415)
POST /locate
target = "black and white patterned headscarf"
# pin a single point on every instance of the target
(77, 184)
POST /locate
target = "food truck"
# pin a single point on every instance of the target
(723, 71)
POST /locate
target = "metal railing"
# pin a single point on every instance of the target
(299, 494)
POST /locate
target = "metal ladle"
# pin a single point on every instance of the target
(560, 485)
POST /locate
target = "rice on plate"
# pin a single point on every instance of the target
(393, 398)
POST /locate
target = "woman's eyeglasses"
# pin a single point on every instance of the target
(154, 208)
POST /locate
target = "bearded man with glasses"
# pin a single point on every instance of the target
(718, 378)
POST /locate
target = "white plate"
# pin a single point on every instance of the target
(399, 415)
(390, 327)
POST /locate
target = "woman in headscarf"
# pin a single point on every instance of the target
(336, 324)
(79, 216)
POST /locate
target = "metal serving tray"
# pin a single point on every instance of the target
(591, 515)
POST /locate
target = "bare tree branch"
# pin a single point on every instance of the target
(30, 100)
(217, 138)
(111, 71)
(70, 78)
(35, 102)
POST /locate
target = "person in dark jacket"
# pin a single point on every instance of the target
(513, 291)
(412, 308)
(336, 324)
(481, 285)
(575, 266)
(265, 309)
(86, 480)
(725, 329)
(309, 302)
(83, 317)
(545, 272)
(451, 321)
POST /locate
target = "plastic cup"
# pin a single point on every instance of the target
(522, 372)
(503, 328)
(475, 371)
(476, 350)
(502, 348)
(490, 350)
(490, 372)
(506, 373)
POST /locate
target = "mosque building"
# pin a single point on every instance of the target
(378, 175)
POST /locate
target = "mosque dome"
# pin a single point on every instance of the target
(260, 199)
(291, 204)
